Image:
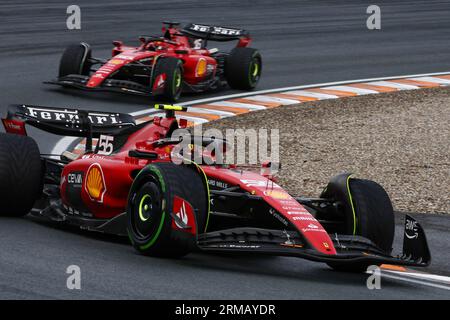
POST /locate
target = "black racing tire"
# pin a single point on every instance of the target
(21, 174)
(173, 86)
(75, 60)
(150, 203)
(367, 211)
(243, 68)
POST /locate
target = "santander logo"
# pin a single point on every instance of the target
(182, 215)
(184, 218)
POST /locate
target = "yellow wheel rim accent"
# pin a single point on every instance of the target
(255, 69)
(142, 206)
(178, 80)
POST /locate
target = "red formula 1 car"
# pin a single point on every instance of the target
(128, 185)
(164, 66)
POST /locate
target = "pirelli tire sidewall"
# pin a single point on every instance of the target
(167, 241)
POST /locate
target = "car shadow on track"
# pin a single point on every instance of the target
(282, 268)
(249, 265)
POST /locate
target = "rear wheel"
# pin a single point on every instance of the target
(168, 79)
(366, 211)
(243, 68)
(167, 208)
(75, 60)
(20, 174)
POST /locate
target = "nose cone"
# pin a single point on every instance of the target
(95, 81)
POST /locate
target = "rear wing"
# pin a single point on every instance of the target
(65, 121)
(214, 33)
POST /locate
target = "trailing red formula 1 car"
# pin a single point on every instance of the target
(165, 66)
(128, 185)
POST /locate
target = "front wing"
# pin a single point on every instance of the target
(111, 85)
(350, 249)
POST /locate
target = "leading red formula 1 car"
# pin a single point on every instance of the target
(128, 185)
(164, 66)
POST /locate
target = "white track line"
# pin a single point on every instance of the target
(356, 90)
(251, 93)
(424, 283)
(422, 276)
(261, 98)
(395, 85)
(317, 95)
(66, 141)
(238, 105)
(220, 113)
(432, 79)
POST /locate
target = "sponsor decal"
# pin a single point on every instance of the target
(185, 213)
(291, 208)
(411, 230)
(116, 61)
(290, 203)
(71, 116)
(216, 30)
(303, 218)
(75, 178)
(124, 57)
(92, 156)
(238, 246)
(217, 184)
(201, 67)
(159, 81)
(254, 183)
(293, 213)
(277, 194)
(277, 216)
(317, 229)
(14, 126)
(95, 183)
(313, 228)
(259, 183)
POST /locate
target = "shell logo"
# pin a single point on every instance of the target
(95, 183)
(116, 61)
(201, 68)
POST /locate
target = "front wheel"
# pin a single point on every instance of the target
(21, 174)
(167, 82)
(76, 60)
(167, 207)
(243, 68)
(366, 211)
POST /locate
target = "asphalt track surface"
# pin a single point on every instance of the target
(302, 42)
